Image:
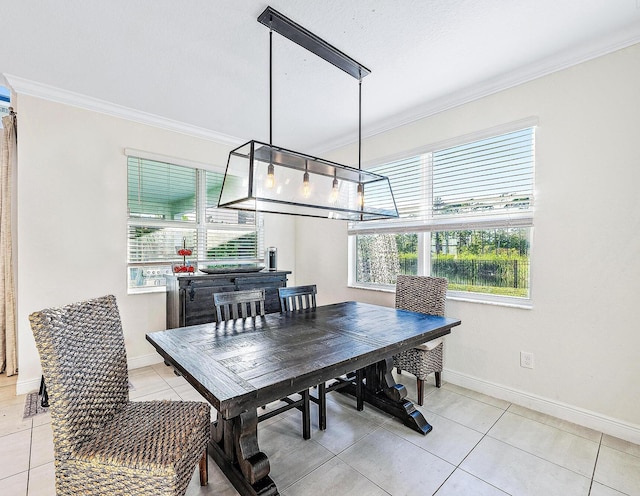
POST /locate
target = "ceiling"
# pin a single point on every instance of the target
(206, 63)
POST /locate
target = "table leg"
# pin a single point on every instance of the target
(382, 391)
(234, 447)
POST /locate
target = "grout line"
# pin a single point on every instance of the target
(457, 467)
(461, 393)
(554, 426)
(593, 473)
(353, 444)
(29, 464)
(334, 457)
(540, 457)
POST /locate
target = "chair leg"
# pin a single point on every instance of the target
(322, 406)
(204, 469)
(359, 390)
(438, 379)
(306, 415)
(44, 402)
(420, 383)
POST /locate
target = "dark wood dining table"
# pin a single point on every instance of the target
(240, 365)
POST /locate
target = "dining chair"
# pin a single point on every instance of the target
(422, 294)
(295, 298)
(233, 305)
(103, 442)
(238, 304)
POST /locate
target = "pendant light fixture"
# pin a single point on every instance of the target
(266, 178)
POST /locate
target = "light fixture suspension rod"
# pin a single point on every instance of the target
(359, 123)
(270, 86)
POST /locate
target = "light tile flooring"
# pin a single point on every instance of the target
(479, 446)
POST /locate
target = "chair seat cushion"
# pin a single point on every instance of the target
(153, 436)
(429, 345)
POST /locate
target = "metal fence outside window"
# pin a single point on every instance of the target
(495, 273)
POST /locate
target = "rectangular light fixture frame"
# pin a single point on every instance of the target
(331, 189)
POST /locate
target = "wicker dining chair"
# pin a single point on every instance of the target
(104, 443)
(247, 304)
(425, 295)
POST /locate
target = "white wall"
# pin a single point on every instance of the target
(72, 218)
(583, 328)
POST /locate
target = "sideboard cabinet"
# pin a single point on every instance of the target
(190, 296)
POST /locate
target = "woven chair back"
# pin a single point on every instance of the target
(84, 364)
(422, 294)
(297, 297)
(239, 304)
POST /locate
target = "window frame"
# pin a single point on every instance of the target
(424, 229)
(200, 226)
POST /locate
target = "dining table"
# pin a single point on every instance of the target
(240, 365)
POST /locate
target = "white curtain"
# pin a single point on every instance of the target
(8, 361)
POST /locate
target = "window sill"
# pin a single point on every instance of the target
(502, 301)
(381, 289)
(147, 290)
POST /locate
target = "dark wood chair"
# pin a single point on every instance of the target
(239, 304)
(425, 295)
(297, 297)
(104, 443)
(250, 304)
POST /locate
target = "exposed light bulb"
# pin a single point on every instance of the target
(360, 195)
(306, 187)
(271, 178)
(334, 191)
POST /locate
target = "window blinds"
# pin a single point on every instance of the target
(491, 176)
(161, 191)
(486, 183)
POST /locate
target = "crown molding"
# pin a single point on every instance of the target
(21, 86)
(561, 61)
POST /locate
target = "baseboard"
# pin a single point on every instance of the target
(614, 427)
(143, 361)
(27, 385)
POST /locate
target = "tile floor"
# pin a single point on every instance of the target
(479, 446)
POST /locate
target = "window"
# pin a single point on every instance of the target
(466, 213)
(4, 103)
(173, 205)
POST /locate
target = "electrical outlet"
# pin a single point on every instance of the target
(526, 359)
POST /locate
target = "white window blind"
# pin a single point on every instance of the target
(493, 176)
(487, 182)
